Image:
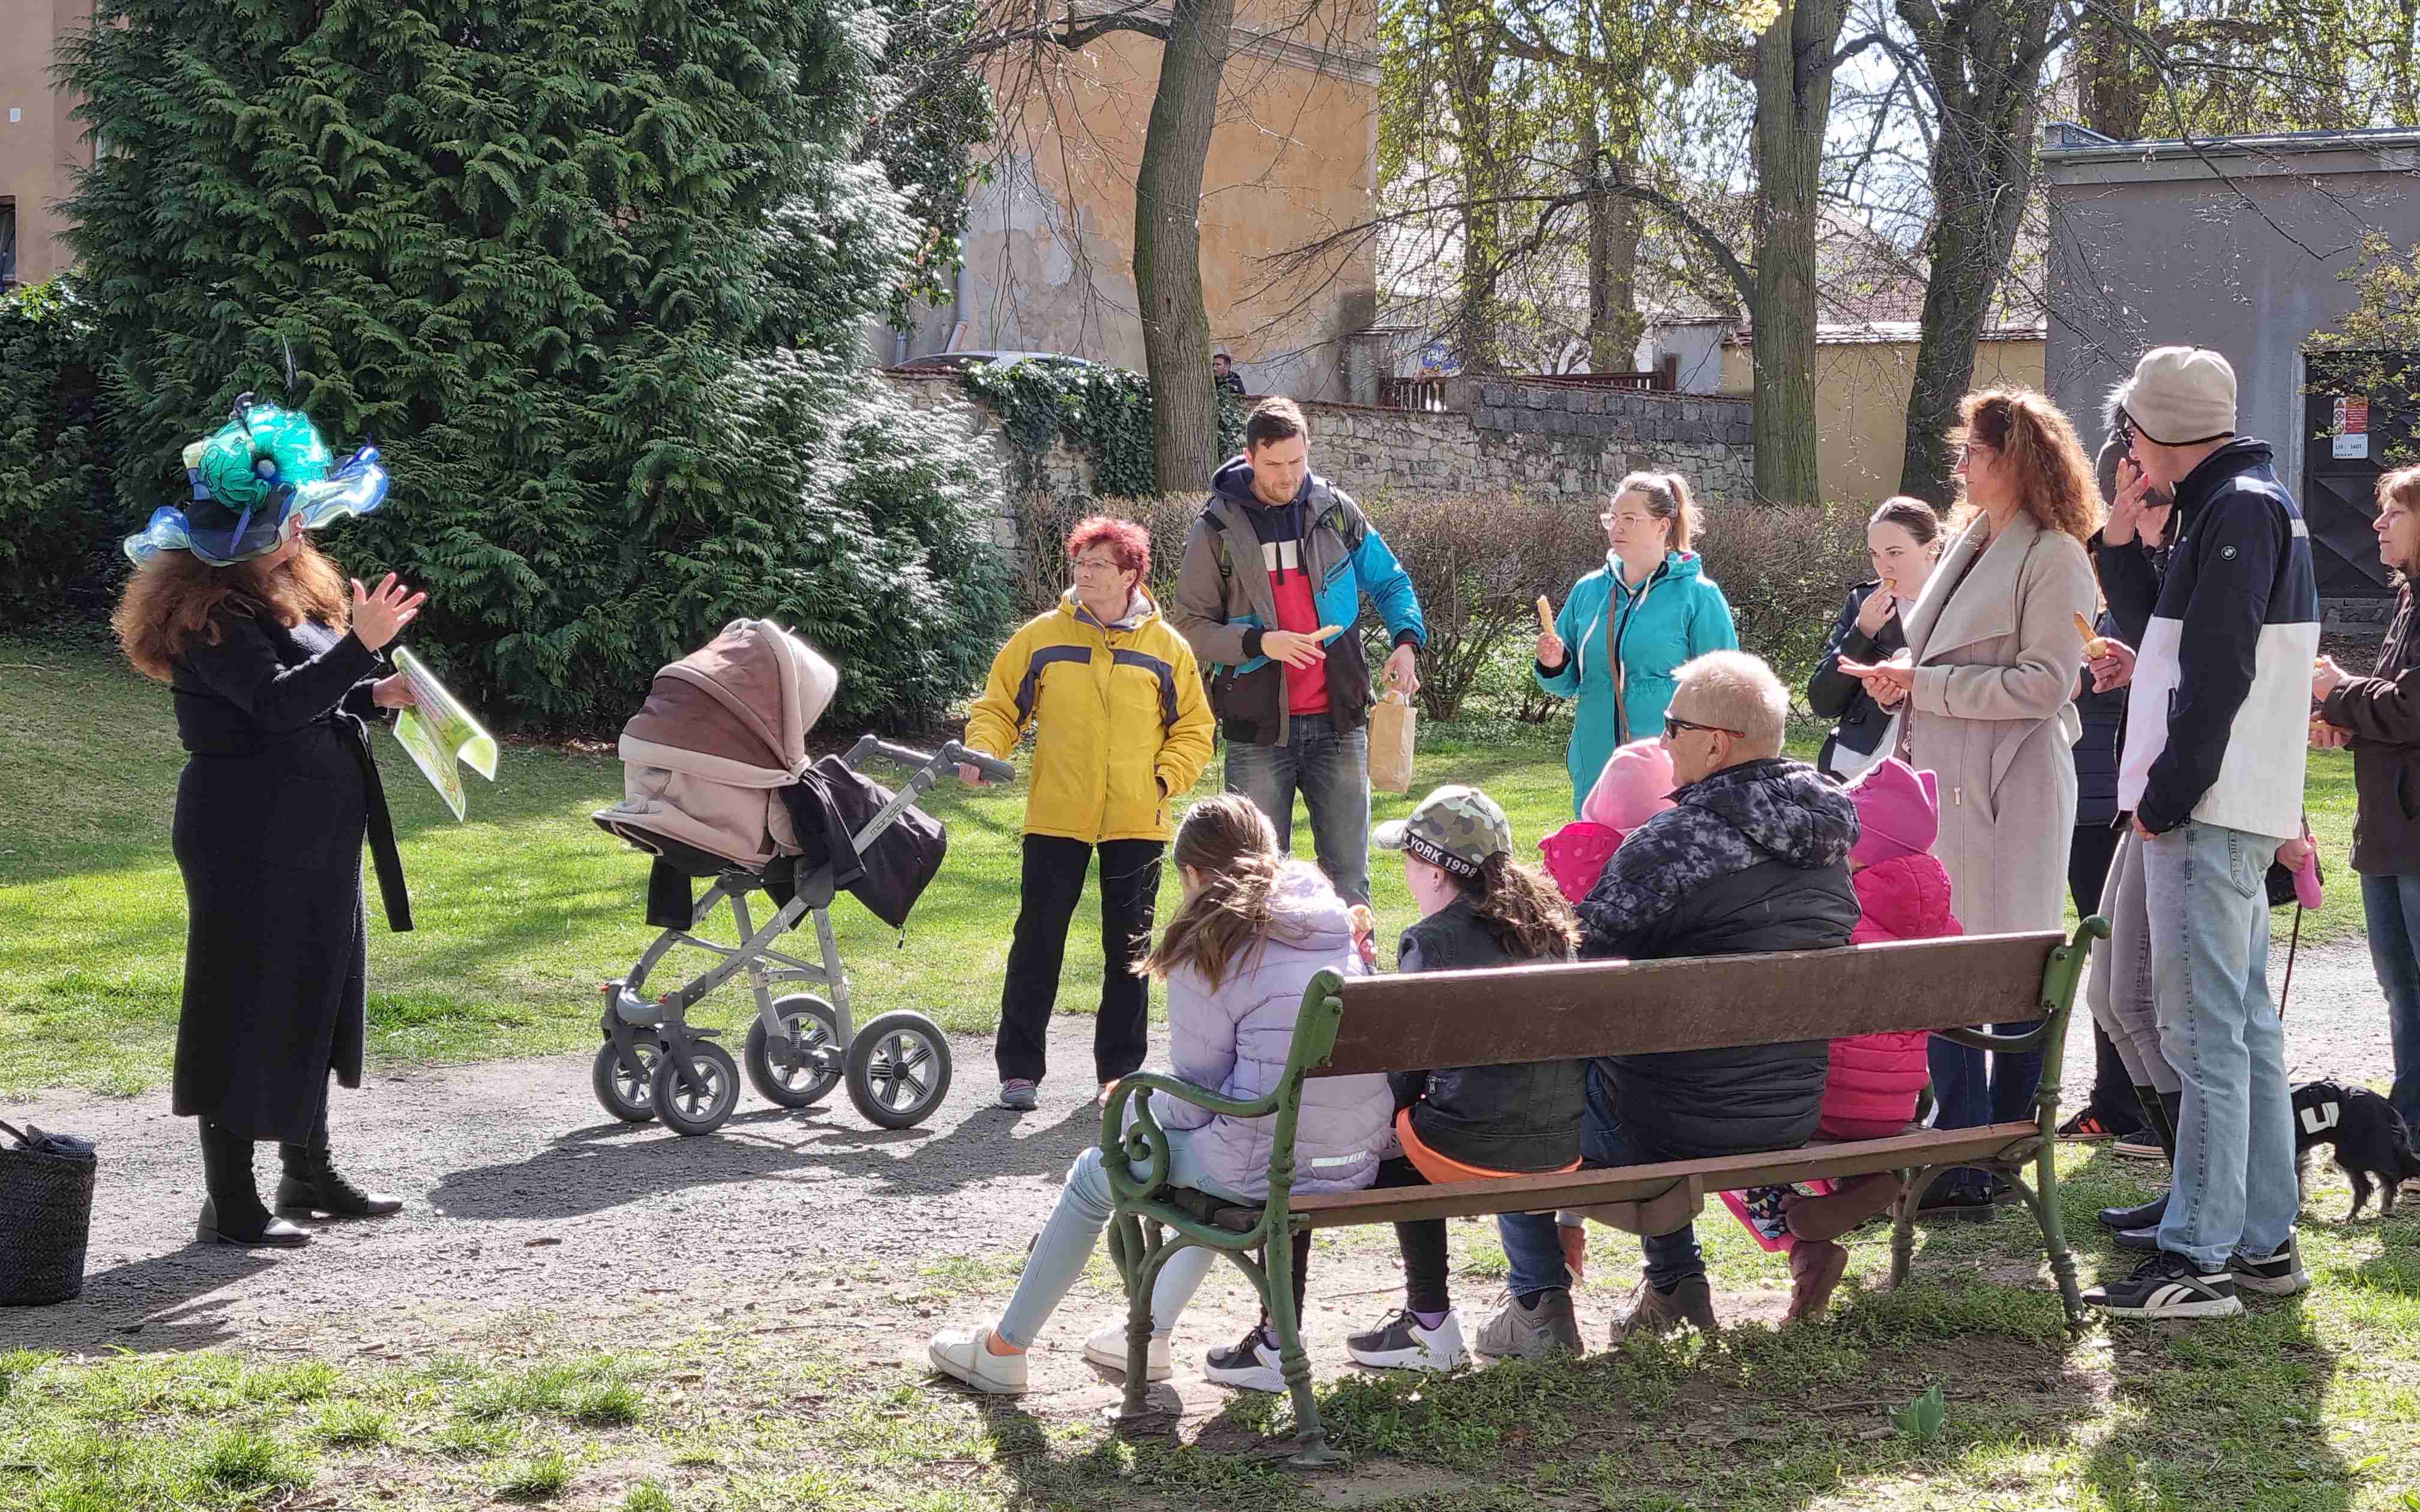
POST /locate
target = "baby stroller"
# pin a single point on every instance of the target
(717, 784)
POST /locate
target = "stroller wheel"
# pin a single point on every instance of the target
(631, 1098)
(899, 1069)
(814, 1067)
(698, 1105)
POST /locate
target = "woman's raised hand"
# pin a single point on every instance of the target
(1550, 648)
(1876, 610)
(380, 613)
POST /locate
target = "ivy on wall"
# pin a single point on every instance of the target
(1102, 412)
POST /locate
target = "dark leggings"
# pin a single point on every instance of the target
(1422, 1242)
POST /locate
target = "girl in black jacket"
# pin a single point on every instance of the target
(1903, 541)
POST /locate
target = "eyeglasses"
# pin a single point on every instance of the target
(1966, 449)
(1098, 564)
(1673, 728)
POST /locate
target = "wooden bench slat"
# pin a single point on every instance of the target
(1569, 1012)
(1632, 1183)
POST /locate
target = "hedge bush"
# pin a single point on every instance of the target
(59, 516)
(572, 267)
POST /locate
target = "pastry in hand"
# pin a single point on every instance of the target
(2095, 647)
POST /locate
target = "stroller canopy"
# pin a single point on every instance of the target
(736, 711)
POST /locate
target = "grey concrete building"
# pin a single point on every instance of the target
(2235, 244)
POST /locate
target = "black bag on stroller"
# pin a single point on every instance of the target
(832, 802)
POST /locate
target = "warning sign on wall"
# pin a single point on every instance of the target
(2350, 430)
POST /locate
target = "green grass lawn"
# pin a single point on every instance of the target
(526, 907)
(2311, 1404)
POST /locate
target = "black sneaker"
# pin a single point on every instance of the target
(1251, 1366)
(1401, 1344)
(2169, 1285)
(2089, 1127)
(2279, 1275)
(2143, 1215)
(2140, 1240)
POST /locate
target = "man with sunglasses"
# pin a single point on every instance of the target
(2212, 773)
(1753, 857)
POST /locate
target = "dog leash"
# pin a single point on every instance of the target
(2293, 941)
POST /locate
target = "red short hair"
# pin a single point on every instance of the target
(1129, 542)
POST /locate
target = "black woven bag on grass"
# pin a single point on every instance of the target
(45, 1215)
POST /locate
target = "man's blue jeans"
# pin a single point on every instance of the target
(1534, 1249)
(1331, 769)
(2392, 907)
(2234, 1193)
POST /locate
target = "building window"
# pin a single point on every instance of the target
(8, 243)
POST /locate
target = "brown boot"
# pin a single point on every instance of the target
(1843, 1207)
(1689, 1305)
(1815, 1269)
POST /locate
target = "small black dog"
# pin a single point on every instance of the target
(2368, 1134)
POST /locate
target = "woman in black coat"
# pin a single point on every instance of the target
(275, 673)
(1903, 541)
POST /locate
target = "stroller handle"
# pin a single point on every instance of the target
(951, 754)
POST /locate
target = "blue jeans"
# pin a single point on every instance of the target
(1535, 1251)
(1331, 767)
(2234, 1191)
(2392, 905)
(1067, 1241)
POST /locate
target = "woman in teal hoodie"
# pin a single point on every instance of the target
(1626, 627)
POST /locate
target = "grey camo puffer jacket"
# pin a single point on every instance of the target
(1234, 1039)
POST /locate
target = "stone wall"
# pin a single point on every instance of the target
(1495, 434)
(1536, 438)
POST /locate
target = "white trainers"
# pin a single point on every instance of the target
(1106, 1347)
(1401, 1344)
(965, 1354)
(1251, 1366)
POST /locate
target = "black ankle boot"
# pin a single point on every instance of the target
(312, 1184)
(2159, 1116)
(232, 1213)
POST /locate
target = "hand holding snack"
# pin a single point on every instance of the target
(2095, 647)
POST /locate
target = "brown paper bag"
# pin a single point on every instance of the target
(1391, 721)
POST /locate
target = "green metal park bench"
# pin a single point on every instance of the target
(1362, 1024)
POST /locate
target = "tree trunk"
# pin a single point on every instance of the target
(1614, 320)
(2113, 81)
(1793, 103)
(1984, 68)
(1470, 83)
(1168, 244)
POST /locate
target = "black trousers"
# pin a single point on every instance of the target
(1053, 880)
(1421, 1240)
(2087, 870)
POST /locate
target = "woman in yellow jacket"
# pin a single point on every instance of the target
(1121, 725)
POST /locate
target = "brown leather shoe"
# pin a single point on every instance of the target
(1688, 1304)
(1816, 1267)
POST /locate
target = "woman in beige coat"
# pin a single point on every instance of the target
(1994, 645)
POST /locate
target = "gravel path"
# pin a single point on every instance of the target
(532, 1214)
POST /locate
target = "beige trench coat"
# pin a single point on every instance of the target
(1993, 714)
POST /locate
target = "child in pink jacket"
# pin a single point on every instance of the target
(1635, 786)
(1904, 890)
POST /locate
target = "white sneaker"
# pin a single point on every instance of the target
(965, 1354)
(1251, 1366)
(1106, 1347)
(1401, 1344)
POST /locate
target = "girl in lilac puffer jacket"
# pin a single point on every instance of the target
(1254, 929)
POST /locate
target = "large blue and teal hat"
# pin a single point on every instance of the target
(262, 477)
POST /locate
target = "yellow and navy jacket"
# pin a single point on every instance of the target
(1119, 717)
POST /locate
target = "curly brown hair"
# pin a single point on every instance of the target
(2054, 481)
(1522, 910)
(175, 596)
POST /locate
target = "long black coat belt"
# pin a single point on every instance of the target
(384, 858)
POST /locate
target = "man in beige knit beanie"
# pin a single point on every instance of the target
(2211, 776)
